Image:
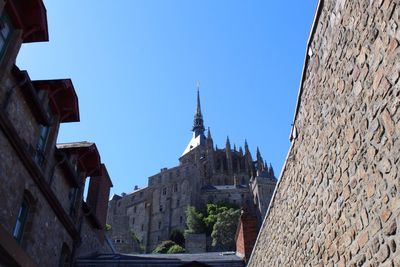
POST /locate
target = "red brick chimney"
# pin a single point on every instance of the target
(246, 234)
(98, 194)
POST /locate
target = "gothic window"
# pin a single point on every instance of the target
(21, 220)
(159, 225)
(142, 227)
(134, 209)
(180, 219)
(159, 179)
(164, 191)
(133, 198)
(5, 32)
(178, 202)
(178, 173)
(175, 187)
(161, 208)
(133, 221)
(141, 194)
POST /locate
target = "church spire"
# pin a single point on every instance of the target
(198, 125)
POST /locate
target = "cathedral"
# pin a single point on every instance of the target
(206, 174)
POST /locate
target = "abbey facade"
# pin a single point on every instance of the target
(205, 174)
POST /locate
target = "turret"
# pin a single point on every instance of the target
(228, 155)
(209, 140)
(260, 162)
(271, 171)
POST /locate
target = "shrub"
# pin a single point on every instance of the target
(176, 249)
(164, 246)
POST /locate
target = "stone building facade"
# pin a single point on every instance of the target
(44, 220)
(205, 174)
(338, 198)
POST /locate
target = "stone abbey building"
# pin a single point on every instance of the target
(205, 174)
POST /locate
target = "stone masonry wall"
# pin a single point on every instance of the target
(338, 201)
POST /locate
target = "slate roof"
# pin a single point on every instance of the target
(228, 259)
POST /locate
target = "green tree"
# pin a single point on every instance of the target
(224, 229)
(194, 221)
(213, 210)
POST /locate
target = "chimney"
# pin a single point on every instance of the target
(246, 234)
(98, 194)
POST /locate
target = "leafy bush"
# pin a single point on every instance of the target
(164, 246)
(176, 249)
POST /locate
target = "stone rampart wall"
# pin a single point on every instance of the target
(338, 200)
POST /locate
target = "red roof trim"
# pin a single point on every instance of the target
(30, 16)
(63, 98)
(88, 159)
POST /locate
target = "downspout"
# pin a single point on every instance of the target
(293, 132)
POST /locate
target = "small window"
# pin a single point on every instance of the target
(133, 198)
(41, 144)
(159, 225)
(134, 209)
(175, 187)
(142, 227)
(133, 221)
(161, 208)
(164, 191)
(21, 221)
(180, 219)
(178, 173)
(141, 194)
(178, 202)
(159, 179)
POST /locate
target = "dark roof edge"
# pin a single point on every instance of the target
(306, 59)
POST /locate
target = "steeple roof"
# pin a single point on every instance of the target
(198, 127)
(198, 124)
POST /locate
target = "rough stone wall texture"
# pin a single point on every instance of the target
(92, 241)
(44, 223)
(195, 243)
(338, 201)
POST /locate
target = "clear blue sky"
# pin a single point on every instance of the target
(134, 65)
